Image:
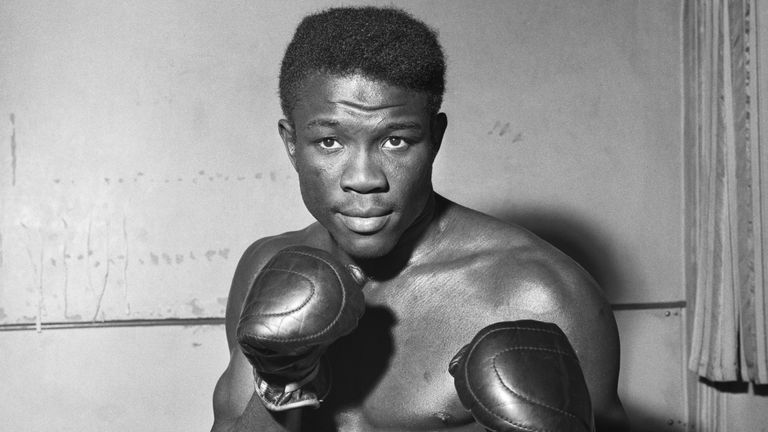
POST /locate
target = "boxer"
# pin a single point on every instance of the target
(398, 309)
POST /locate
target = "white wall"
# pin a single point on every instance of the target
(111, 379)
(139, 157)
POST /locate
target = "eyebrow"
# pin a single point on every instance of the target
(322, 123)
(403, 125)
(389, 126)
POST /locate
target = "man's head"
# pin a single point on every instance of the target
(361, 89)
(382, 44)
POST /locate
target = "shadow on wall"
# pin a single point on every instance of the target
(737, 387)
(644, 421)
(577, 239)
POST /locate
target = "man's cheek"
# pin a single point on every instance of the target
(312, 194)
(316, 193)
(320, 177)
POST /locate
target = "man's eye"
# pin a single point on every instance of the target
(329, 143)
(395, 143)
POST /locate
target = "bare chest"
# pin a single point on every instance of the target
(392, 372)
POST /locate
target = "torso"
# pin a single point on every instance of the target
(392, 372)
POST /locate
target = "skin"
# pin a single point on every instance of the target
(437, 272)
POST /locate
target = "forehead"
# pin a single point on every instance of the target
(324, 94)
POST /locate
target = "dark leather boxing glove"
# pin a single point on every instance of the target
(300, 302)
(523, 376)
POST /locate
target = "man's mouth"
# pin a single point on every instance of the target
(364, 224)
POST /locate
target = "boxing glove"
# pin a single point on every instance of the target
(300, 302)
(522, 376)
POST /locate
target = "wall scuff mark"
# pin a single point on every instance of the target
(106, 276)
(65, 264)
(88, 253)
(125, 263)
(38, 275)
(41, 297)
(13, 149)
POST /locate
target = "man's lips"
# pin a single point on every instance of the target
(364, 222)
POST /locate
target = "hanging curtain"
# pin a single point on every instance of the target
(728, 195)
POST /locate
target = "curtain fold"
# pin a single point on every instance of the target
(729, 329)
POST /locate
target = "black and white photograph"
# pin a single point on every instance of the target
(384, 215)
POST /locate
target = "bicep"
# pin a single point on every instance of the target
(571, 299)
(596, 340)
(234, 404)
(234, 389)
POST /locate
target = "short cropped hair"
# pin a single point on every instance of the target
(383, 44)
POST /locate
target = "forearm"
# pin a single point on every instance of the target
(236, 407)
(255, 418)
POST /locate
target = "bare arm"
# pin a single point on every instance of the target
(559, 291)
(591, 327)
(602, 371)
(235, 406)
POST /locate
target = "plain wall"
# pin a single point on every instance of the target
(140, 156)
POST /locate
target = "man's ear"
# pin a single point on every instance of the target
(287, 133)
(438, 124)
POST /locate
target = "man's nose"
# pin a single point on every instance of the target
(363, 174)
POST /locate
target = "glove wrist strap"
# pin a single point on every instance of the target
(309, 392)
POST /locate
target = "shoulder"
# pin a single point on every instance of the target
(519, 269)
(525, 277)
(254, 258)
(515, 275)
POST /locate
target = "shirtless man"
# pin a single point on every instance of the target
(361, 90)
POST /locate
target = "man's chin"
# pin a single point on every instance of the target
(366, 247)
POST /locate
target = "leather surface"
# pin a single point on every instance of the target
(300, 302)
(523, 376)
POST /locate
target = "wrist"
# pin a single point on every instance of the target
(277, 395)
